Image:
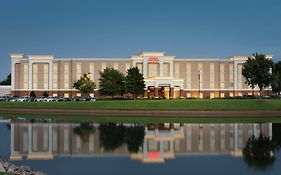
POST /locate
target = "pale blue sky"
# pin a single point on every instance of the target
(120, 28)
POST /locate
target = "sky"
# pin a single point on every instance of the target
(121, 28)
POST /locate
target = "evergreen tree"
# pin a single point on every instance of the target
(111, 82)
(45, 94)
(134, 82)
(32, 94)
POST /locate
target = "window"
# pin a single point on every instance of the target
(222, 95)
(46, 85)
(78, 68)
(103, 66)
(46, 68)
(78, 94)
(177, 70)
(212, 95)
(127, 66)
(35, 68)
(78, 76)
(66, 85)
(166, 69)
(139, 66)
(34, 85)
(66, 95)
(153, 70)
(115, 66)
(188, 95)
(231, 94)
(222, 85)
(66, 68)
(92, 70)
(230, 72)
(212, 85)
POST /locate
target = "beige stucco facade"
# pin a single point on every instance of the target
(165, 76)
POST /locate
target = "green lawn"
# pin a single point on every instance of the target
(182, 104)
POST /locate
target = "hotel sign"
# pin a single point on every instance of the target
(153, 59)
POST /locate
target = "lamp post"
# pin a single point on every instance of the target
(199, 77)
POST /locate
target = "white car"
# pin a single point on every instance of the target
(39, 99)
(22, 99)
(50, 99)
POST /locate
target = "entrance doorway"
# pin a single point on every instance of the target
(159, 92)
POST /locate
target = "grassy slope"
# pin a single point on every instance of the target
(183, 104)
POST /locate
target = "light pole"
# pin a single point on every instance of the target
(199, 82)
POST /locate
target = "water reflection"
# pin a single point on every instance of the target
(259, 152)
(148, 143)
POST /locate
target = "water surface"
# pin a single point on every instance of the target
(128, 148)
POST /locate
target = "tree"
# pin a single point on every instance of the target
(85, 84)
(259, 152)
(134, 137)
(276, 78)
(7, 81)
(45, 94)
(276, 135)
(134, 82)
(32, 94)
(256, 71)
(111, 136)
(84, 131)
(111, 82)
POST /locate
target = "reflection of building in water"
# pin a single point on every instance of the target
(161, 141)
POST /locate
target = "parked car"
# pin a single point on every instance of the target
(79, 99)
(14, 99)
(92, 99)
(39, 99)
(50, 99)
(60, 99)
(4, 98)
(29, 99)
(22, 99)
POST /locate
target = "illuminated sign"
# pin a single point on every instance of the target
(153, 59)
(153, 155)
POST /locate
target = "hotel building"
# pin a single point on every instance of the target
(165, 76)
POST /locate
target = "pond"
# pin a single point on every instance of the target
(129, 148)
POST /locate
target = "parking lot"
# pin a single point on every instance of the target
(43, 99)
